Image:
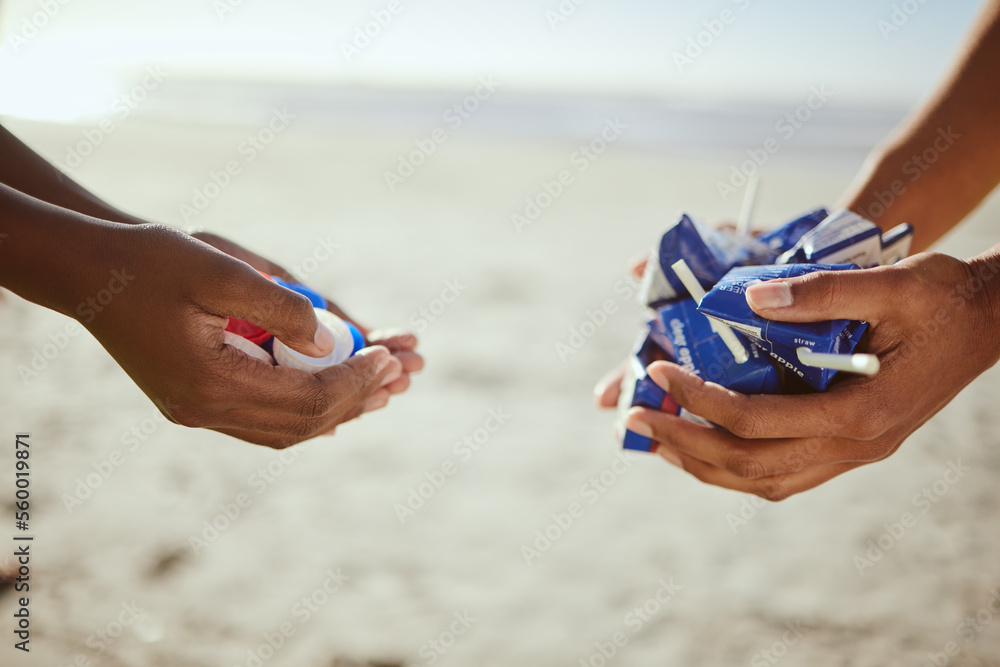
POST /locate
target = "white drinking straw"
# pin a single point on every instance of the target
(687, 277)
(749, 203)
(863, 364)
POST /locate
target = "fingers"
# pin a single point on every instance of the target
(377, 401)
(842, 411)
(284, 392)
(412, 362)
(745, 459)
(285, 440)
(315, 412)
(239, 252)
(868, 294)
(638, 266)
(364, 373)
(608, 388)
(247, 295)
(259, 438)
(398, 386)
(397, 340)
(774, 488)
(402, 345)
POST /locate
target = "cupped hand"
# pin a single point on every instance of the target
(933, 323)
(164, 325)
(402, 344)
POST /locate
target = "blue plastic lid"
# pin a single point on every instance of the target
(314, 297)
(359, 340)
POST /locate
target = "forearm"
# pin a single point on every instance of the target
(53, 256)
(945, 159)
(24, 170)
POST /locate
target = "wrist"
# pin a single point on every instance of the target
(984, 284)
(53, 256)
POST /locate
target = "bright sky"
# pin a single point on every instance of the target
(770, 50)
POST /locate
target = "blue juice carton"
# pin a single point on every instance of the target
(686, 335)
(726, 302)
(639, 390)
(682, 335)
(710, 253)
(896, 244)
(842, 238)
(785, 237)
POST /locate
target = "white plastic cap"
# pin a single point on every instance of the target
(246, 347)
(342, 350)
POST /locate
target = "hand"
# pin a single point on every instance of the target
(165, 328)
(933, 322)
(401, 344)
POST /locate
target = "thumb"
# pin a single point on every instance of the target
(287, 315)
(864, 294)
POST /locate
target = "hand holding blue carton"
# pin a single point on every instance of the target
(718, 337)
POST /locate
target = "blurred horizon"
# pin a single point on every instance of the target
(88, 52)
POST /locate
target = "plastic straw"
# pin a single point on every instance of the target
(862, 364)
(749, 203)
(687, 277)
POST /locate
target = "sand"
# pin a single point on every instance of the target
(329, 517)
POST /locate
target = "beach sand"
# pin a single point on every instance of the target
(736, 585)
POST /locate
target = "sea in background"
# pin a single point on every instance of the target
(658, 569)
(814, 129)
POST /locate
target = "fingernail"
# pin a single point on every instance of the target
(377, 349)
(769, 295)
(393, 375)
(670, 456)
(635, 424)
(600, 388)
(324, 339)
(376, 402)
(657, 373)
